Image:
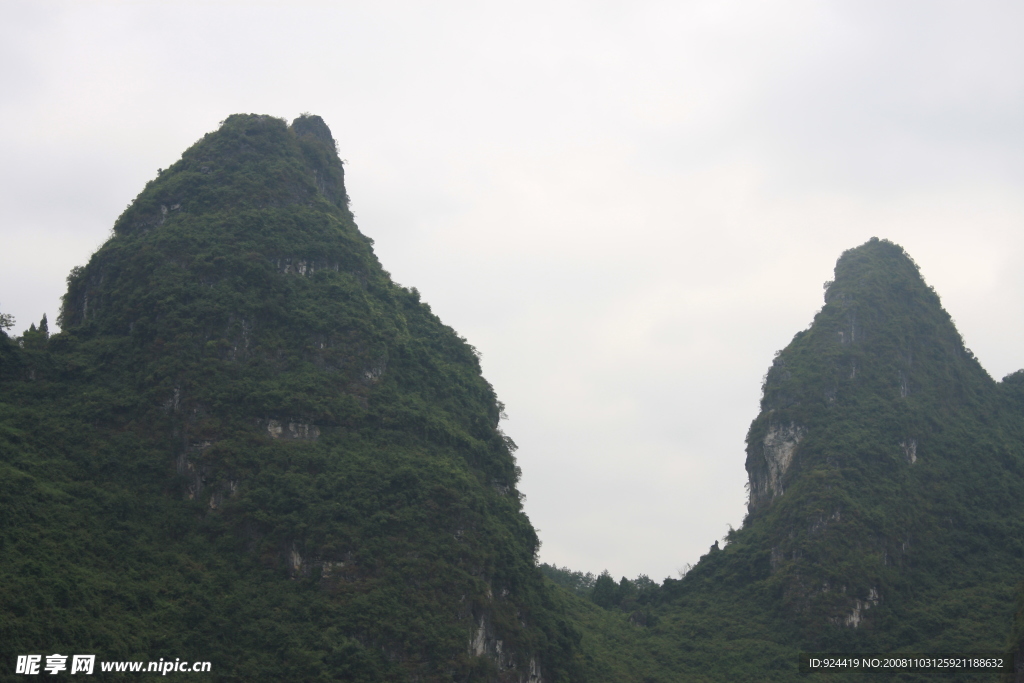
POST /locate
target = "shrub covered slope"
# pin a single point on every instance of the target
(248, 445)
(886, 504)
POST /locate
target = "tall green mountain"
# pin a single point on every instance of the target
(886, 468)
(248, 445)
(886, 503)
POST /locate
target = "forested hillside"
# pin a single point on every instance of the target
(248, 445)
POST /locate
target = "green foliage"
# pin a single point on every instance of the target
(577, 582)
(249, 446)
(606, 592)
(6, 322)
(626, 595)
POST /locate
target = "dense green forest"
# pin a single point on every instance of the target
(248, 445)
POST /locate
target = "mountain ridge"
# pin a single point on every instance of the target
(249, 445)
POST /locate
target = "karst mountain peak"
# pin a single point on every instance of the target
(273, 412)
(883, 338)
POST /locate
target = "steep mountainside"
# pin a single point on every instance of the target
(249, 446)
(886, 510)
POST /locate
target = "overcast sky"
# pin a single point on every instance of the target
(626, 207)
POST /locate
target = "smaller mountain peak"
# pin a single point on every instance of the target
(311, 124)
(881, 354)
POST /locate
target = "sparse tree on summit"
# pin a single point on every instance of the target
(6, 321)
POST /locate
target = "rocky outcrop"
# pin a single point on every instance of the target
(777, 449)
(288, 429)
(483, 642)
(856, 615)
(909, 448)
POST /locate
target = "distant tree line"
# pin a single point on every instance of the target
(634, 597)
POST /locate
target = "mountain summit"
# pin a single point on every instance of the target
(881, 353)
(254, 448)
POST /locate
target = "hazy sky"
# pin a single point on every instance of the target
(626, 207)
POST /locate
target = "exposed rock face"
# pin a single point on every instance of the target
(909, 447)
(292, 430)
(777, 450)
(860, 605)
(484, 643)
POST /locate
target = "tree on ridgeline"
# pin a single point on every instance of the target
(6, 322)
